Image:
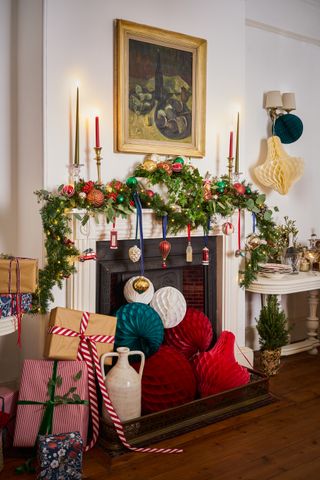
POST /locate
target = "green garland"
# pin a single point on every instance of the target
(191, 199)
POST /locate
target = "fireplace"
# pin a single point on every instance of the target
(197, 282)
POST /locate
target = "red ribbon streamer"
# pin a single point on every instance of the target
(92, 361)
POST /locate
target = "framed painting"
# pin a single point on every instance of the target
(160, 91)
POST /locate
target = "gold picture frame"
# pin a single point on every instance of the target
(160, 91)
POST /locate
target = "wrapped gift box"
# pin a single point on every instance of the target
(8, 303)
(8, 404)
(28, 268)
(66, 348)
(60, 456)
(34, 388)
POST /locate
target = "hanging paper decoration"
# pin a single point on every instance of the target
(164, 245)
(170, 304)
(189, 246)
(138, 289)
(279, 171)
(114, 236)
(288, 128)
(227, 228)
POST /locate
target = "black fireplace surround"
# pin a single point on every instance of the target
(196, 281)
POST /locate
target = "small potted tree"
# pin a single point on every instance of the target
(273, 334)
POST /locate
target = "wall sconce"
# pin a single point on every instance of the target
(286, 126)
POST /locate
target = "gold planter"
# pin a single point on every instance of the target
(270, 361)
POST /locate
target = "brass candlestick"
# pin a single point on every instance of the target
(98, 160)
(230, 167)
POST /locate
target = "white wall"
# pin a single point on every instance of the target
(283, 53)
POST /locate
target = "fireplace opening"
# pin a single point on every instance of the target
(197, 282)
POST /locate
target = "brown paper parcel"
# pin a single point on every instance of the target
(28, 275)
(66, 348)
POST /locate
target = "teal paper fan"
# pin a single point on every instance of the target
(288, 128)
(139, 327)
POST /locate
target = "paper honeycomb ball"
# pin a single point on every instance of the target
(95, 197)
(139, 327)
(279, 171)
(194, 334)
(217, 370)
(132, 295)
(170, 305)
(167, 381)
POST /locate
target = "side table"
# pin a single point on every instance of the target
(301, 282)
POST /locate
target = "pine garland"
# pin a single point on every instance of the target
(191, 199)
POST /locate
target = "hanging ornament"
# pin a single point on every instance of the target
(140, 226)
(87, 254)
(149, 165)
(138, 289)
(95, 197)
(68, 190)
(150, 193)
(207, 194)
(131, 182)
(189, 246)
(254, 241)
(239, 188)
(227, 228)
(134, 254)
(114, 236)
(170, 304)
(165, 248)
(205, 250)
(164, 245)
(177, 167)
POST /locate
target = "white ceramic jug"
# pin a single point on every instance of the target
(123, 384)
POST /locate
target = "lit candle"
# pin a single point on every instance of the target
(231, 145)
(97, 133)
(76, 149)
(236, 165)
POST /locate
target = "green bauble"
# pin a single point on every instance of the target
(131, 182)
(221, 184)
(220, 190)
(248, 190)
(178, 160)
(120, 199)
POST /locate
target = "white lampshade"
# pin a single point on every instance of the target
(288, 101)
(273, 99)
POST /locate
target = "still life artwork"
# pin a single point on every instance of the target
(160, 85)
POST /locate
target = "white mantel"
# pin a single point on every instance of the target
(81, 287)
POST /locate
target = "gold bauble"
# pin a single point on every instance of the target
(108, 188)
(141, 285)
(149, 165)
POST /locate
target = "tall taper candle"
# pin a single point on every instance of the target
(236, 165)
(231, 145)
(76, 148)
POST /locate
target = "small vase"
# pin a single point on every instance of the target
(123, 385)
(270, 361)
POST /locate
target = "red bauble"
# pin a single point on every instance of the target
(177, 167)
(192, 335)
(167, 381)
(165, 248)
(240, 188)
(150, 193)
(218, 370)
(68, 190)
(117, 185)
(112, 195)
(87, 186)
(95, 197)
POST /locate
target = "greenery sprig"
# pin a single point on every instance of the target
(190, 199)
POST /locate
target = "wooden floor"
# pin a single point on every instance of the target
(279, 441)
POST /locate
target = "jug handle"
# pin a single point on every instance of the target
(137, 352)
(108, 354)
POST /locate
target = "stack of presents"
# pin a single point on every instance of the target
(57, 404)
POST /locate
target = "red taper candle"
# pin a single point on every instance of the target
(97, 133)
(231, 145)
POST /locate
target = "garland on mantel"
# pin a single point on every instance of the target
(190, 199)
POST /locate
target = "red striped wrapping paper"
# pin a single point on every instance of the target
(10, 398)
(66, 418)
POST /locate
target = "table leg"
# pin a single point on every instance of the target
(312, 319)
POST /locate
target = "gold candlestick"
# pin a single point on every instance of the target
(98, 160)
(230, 167)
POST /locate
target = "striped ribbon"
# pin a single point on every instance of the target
(92, 361)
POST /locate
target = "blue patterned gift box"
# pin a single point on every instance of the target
(8, 303)
(60, 456)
